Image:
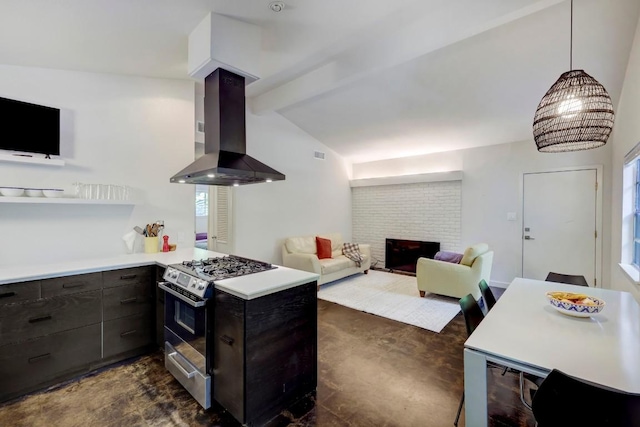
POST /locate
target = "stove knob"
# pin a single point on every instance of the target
(200, 287)
(193, 285)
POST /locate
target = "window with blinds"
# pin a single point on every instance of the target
(222, 214)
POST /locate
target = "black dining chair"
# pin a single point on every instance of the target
(566, 278)
(562, 400)
(487, 295)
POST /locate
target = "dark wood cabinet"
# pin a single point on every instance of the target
(54, 329)
(128, 276)
(127, 301)
(10, 294)
(32, 319)
(128, 333)
(71, 284)
(27, 365)
(265, 352)
(159, 308)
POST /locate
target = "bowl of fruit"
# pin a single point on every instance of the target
(575, 304)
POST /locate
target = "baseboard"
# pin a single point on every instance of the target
(499, 284)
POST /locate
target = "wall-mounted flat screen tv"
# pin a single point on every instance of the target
(29, 128)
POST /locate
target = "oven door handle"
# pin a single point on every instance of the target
(172, 357)
(181, 297)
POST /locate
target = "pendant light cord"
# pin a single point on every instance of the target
(571, 41)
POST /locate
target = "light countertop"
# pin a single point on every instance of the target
(247, 287)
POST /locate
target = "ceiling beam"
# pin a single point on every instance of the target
(401, 37)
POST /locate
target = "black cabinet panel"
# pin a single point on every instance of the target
(265, 352)
(228, 356)
(128, 276)
(281, 344)
(25, 365)
(19, 292)
(71, 284)
(127, 300)
(159, 308)
(19, 322)
(128, 333)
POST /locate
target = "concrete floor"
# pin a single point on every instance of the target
(372, 371)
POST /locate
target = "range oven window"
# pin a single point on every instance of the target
(185, 324)
(185, 316)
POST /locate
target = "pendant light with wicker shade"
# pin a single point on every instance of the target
(575, 114)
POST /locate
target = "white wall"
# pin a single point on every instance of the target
(115, 130)
(315, 198)
(626, 134)
(428, 211)
(491, 187)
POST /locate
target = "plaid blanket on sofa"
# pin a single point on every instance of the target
(352, 251)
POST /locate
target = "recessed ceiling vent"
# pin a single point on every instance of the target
(318, 155)
(277, 6)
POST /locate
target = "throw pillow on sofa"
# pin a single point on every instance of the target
(323, 247)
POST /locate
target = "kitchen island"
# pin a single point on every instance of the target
(264, 338)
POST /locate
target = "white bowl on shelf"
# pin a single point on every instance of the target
(33, 192)
(53, 193)
(11, 191)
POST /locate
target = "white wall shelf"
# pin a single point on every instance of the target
(32, 160)
(64, 200)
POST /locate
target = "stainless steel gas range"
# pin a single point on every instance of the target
(189, 308)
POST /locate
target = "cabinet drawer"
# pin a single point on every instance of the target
(128, 276)
(23, 366)
(20, 322)
(71, 284)
(126, 301)
(19, 292)
(127, 333)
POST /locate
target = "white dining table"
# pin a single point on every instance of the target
(523, 331)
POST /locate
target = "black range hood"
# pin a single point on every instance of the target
(225, 161)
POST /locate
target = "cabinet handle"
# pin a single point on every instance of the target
(39, 358)
(226, 339)
(128, 300)
(128, 277)
(7, 294)
(124, 334)
(40, 319)
(73, 285)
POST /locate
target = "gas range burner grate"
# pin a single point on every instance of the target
(226, 267)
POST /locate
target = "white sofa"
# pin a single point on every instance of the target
(300, 253)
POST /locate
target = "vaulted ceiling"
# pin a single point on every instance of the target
(371, 80)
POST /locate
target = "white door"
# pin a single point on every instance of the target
(220, 224)
(559, 224)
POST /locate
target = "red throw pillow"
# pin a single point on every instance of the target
(323, 246)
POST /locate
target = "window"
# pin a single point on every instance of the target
(202, 202)
(630, 260)
(636, 216)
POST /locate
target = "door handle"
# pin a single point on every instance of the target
(173, 358)
(529, 238)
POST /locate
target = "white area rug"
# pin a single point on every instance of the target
(393, 296)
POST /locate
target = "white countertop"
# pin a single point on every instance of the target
(525, 328)
(247, 287)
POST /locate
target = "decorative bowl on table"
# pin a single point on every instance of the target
(11, 191)
(575, 304)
